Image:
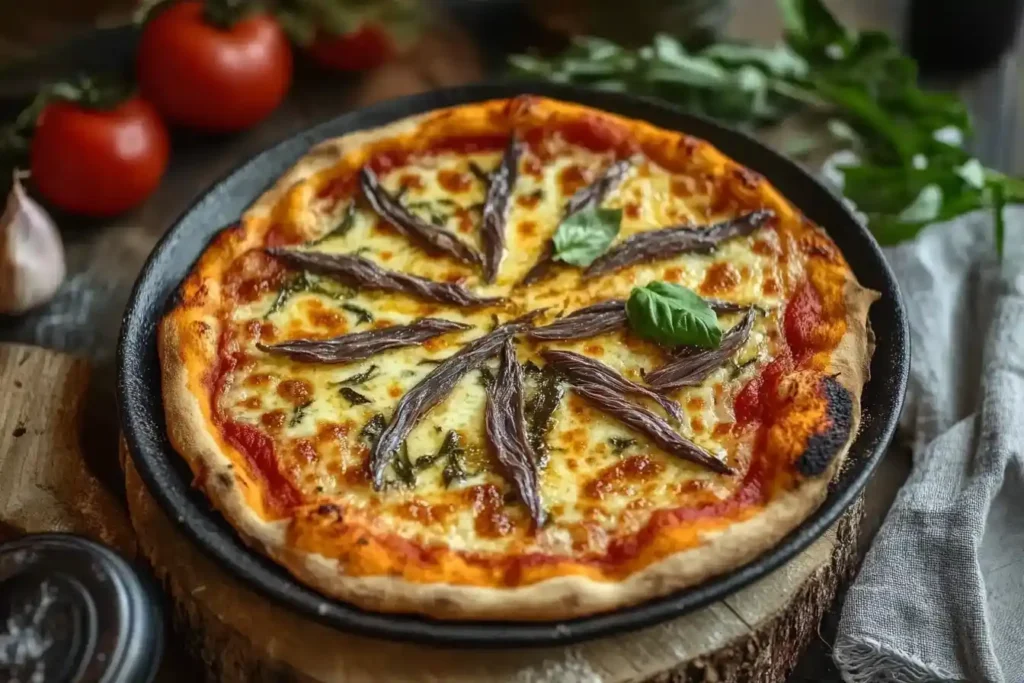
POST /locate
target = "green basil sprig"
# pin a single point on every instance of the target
(672, 315)
(586, 234)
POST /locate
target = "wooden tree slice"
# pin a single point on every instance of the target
(755, 635)
(45, 484)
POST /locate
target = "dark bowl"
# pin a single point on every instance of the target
(169, 479)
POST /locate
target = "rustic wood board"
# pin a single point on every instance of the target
(756, 634)
(45, 483)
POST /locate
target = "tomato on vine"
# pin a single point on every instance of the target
(367, 47)
(95, 151)
(350, 35)
(213, 66)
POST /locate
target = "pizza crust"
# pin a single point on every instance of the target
(237, 497)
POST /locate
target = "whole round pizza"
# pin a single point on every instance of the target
(516, 359)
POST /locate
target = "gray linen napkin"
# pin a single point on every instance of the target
(940, 596)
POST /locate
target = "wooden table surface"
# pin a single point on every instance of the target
(104, 257)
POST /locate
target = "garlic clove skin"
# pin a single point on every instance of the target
(32, 264)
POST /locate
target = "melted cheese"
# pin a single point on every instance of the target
(601, 479)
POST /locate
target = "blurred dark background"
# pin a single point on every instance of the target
(971, 47)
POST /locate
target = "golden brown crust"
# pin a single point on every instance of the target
(188, 345)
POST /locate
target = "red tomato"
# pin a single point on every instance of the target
(366, 48)
(210, 78)
(98, 162)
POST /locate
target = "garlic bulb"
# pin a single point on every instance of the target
(31, 254)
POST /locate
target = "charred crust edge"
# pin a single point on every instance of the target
(823, 446)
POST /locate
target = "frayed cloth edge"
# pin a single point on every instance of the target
(866, 660)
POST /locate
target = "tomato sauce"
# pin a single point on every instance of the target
(339, 187)
(258, 449)
(753, 491)
(489, 506)
(389, 159)
(598, 135)
(255, 446)
(453, 181)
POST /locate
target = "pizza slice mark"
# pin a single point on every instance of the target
(507, 434)
(435, 238)
(364, 273)
(690, 366)
(359, 345)
(586, 198)
(665, 243)
(500, 186)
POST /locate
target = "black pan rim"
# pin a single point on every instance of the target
(145, 432)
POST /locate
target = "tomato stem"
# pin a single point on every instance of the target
(93, 92)
(226, 13)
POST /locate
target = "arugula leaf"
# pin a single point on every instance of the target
(672, 315)
(585, 235)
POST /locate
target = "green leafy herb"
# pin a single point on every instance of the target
(912, 168)
(342, 229)
(359, 378)
(403, 467)
(372, 430)
(544, 389)
(585, 235)
(298, 414)
(741, 84)
(620, 444)
(454, 455)
(362, 315)
(353, 397)
(672, 315)
(303, 283)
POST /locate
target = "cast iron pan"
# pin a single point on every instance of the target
(168, 478)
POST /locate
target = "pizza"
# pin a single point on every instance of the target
(517, 359)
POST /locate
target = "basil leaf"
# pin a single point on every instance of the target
(586, 234)
(672, 315)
